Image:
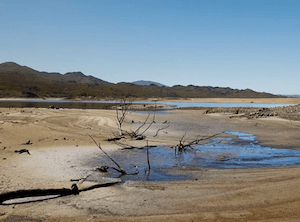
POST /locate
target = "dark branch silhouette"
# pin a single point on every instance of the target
(183, 146)
(46, 192)
(120, 169)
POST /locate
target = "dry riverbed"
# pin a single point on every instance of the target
(59, 144)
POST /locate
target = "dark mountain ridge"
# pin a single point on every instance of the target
(22, 81)
(78, 77)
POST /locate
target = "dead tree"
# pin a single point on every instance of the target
(138, 134)
(121, 112)
(184, 146)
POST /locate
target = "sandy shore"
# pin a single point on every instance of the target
(60, 142)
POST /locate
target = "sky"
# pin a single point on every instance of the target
(239, 44)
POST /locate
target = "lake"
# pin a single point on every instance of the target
(107, 104)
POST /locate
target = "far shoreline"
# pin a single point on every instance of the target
(286, 100)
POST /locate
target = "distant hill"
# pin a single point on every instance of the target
(77, 77)
(292, 95)
(147, 83)
(22, 81)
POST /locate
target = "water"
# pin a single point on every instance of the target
(56, 104)
(228, 105)
(240, 152)
(242, 136)
(107, 104)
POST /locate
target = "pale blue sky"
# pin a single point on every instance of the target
(229, 43)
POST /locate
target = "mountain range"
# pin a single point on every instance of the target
(147, 83)
(22, 81)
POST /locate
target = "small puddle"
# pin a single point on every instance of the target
(240, 152)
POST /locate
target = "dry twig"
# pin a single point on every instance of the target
(182, 146)
(120, 169)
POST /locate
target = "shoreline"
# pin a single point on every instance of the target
(238, 100)
(288, 100)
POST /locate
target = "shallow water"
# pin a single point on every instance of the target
(107, 104)
(227, 105)
(241, 152)
(54, 103)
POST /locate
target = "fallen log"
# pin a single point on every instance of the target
(22, 151)
(38, 192)
(46, 192)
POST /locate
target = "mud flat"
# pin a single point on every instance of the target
(60, 145)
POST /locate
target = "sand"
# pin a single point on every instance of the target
(60, 144)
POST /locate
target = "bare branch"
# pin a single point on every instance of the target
(134, 133)
(121, 170)
(124, 146)
(156, 134)
(125, 105)
(182, 146)
(143, 124)
(153, 121)
(149, 168)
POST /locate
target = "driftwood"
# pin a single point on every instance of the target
(81, 180)
(136, 147)
(28, 143)
(183, 146)
(126, 146)
(22, 151)
(38, 192)
(102, 168)
(46, 192)
(130, 147)
(114, 139)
